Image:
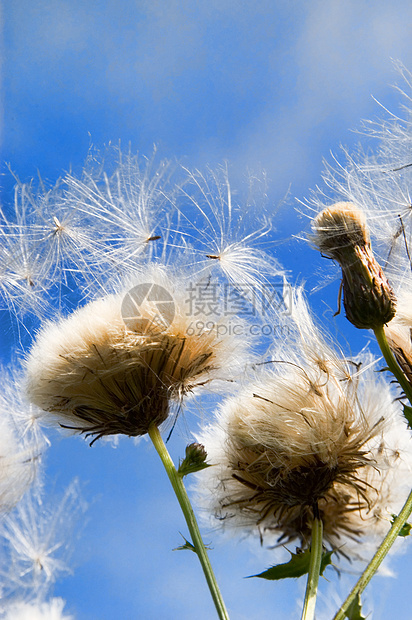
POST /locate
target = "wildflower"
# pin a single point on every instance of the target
(105, 370)
(315, 433)
(340, 233)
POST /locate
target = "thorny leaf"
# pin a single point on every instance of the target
(297, 566)
(184, 470)
(406, 527)
(187, 545)
(354, 611)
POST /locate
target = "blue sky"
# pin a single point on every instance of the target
(272, 85)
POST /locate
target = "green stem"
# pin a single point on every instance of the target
(377, 558)
(189, 515)
(392, 363)
(316, 548)
(406, 511)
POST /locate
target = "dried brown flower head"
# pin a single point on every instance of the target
(297, 442)
(340, 233)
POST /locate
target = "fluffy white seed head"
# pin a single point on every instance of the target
(316, 430)
(117, 364)
(299, 439)
(339, 227)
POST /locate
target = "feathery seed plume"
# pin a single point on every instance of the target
(44, 610)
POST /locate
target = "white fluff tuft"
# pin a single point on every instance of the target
(47, 610)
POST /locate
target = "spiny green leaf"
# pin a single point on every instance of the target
(407, 412)
(187, 545)
(354, 611)
(185, 469)
(326, 560)
(406, 527)
(297, 566)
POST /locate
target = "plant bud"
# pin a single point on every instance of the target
(195, 459)
(341, 234)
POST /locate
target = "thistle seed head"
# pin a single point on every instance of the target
(295, 443)
(102, 375)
